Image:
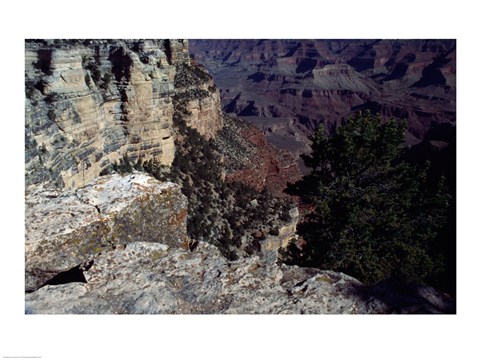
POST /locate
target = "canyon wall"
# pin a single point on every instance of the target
(91, 103)
(288, 87)
(119, 243)
(251, 160)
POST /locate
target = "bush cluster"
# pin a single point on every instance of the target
(94, 74)
(219, 212)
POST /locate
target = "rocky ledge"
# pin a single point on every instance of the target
(153, 278)
(67, 230)
(119, 246)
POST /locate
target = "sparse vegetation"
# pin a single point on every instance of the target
(219, 212)
(51, 98)
(123, 166)
(107, 77)
(121, 64)
(44, 62)
(224, 214)
(188, 75)
(93, 73)
(29, 90)
(144, 59)
(51, 115)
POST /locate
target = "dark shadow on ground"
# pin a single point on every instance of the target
(72, 275)
(394, 297)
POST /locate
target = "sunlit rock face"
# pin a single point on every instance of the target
(153, 278)
(90, 103)
(67, 229)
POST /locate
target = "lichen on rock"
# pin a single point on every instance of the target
(69, 228)
(152, 278)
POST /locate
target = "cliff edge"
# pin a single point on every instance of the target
(91, 103)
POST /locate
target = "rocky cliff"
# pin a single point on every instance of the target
(288, 87)
(132, 244)
(119, 246)
(65, 230)
(91, 103)
(152, 278)
(250, 159)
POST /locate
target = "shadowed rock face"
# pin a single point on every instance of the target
(152, 278)
(288, 87)
(64, 230)
(90, 103)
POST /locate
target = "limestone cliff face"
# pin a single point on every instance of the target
(200, 98)
(91, 103)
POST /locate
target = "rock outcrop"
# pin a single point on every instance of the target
(152, 278)
(91, 103)
(119, 246)
(67, 229)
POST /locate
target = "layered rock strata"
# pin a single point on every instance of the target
(91, 103)
(68, 229)
(288, 87)
(196, 92)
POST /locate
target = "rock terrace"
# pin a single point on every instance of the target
(151, 278)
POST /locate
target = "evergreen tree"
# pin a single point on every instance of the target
(374, 216)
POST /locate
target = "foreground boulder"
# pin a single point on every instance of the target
(153, 278)
(65, 230)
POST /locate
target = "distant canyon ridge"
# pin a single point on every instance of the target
(136, 169)
(288, 87)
